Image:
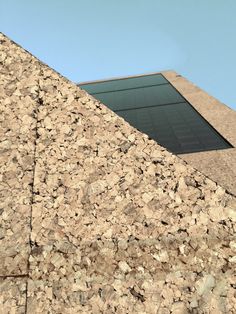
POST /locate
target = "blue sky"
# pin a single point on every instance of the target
(94, 39)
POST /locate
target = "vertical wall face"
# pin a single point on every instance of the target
(219, 165)
(18, 106)
(118, 224)
(112, 212)
(13, 295)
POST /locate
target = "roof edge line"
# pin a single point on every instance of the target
(122, 77)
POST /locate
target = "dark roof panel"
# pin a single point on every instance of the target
(124, 83)
(153, 106)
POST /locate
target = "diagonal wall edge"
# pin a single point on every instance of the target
(118, 223)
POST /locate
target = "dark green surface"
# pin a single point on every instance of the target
(177, 127)
(140, 97)
(114, 85)
(159, 111)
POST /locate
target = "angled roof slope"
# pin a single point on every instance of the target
(97, 218)
(219, 165)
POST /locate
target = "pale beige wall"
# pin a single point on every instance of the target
(112, 222)
(219, 165)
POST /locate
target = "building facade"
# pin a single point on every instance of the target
(179, 116)
(96, 217)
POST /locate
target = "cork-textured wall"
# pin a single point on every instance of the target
(18, 93)
(112, 222)
(219, 165)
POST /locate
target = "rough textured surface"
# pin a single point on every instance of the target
(18, 94)
(120, 225)
(219, 165)
(12, 295)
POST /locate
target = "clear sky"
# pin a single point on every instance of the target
(94, 39)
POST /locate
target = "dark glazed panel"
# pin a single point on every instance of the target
(153, 106)
(140, 97)
(127, 83)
